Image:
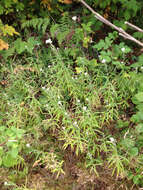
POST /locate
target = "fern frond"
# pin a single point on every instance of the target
(39, 24)
(61, 29)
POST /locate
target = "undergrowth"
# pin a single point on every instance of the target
(80, 97)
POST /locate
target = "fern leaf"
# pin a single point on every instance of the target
(37, 24)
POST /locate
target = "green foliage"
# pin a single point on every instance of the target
(10, 145)
(22, 46)
(39, 24)
(19, 46)
(128, 9)
(10, 6)
(70, 95)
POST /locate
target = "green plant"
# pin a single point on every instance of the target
(129, 9)
(53, 163)
(10, 146)
(39, 24)
(67, 101)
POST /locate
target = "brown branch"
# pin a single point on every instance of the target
(133, 26)
(105, 21)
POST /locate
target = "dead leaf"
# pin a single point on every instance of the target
(66, 1)
(3, 45)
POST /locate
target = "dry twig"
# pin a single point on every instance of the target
(105, 21)
(133, 26)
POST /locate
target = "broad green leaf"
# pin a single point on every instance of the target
(139, 96)
(0, 161)
(100, 45)
(2, 128)
(139, 128)
(9, 161)
(94, 62)
(116, 63)
(14, 152)
(134, 151)
(8, 52)
(20, 46)
(136, 179)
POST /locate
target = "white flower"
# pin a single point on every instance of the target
(43, 87)
(87, 99)
(74, 18)
(49, 66)
(103, 61)
(123, 49)
(6, 183)
(66, 113)
(78, 101)
(59, 102)
(112, 139)
(49, 41)
(41, 69)
(85, 74)
(28, 145)
(46, 105)
(91, 41)
(75, 123)
(141, 68)
(84, 108)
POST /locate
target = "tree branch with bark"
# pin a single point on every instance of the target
(120, 30)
